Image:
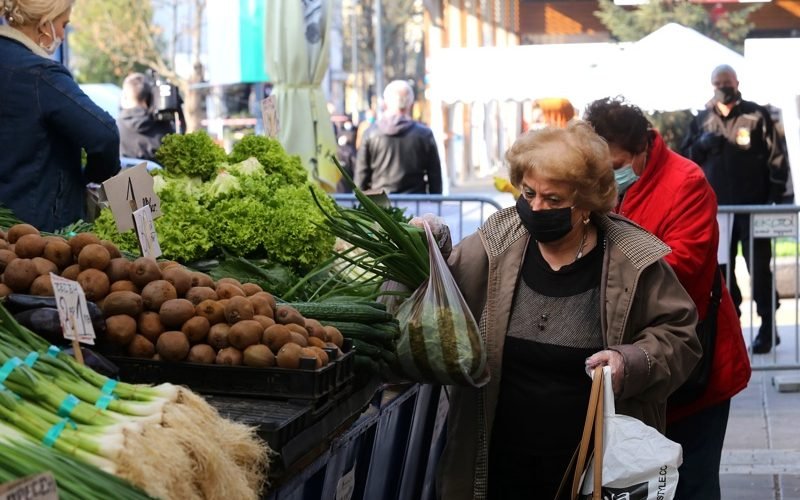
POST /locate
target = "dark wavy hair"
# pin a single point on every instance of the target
(619, 123)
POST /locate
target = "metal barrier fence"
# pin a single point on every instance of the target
(779, 225)
(463, 214)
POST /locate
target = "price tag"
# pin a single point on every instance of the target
(39, 487)
(146, 232)
(72, 311)
(775, 225)
(269, 114)
(346, 485)
(129, 191)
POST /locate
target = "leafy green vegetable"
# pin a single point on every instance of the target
(192, 155)
(272, 156)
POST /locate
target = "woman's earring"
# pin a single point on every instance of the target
(586, 220)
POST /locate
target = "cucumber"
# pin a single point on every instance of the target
(355, 312)
(380, 331)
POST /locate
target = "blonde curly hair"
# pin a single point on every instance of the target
(576, 155)
(33, 12)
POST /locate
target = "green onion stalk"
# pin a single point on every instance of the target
(395, 251)
(75, 481)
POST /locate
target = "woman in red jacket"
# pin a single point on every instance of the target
(669, 196)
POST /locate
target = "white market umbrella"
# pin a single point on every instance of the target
(297, 59)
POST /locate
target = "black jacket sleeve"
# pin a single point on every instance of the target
(362, 176)
(777, 159)
(689, 147)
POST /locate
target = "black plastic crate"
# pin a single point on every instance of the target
(277, 422)
(280, 383)
(346, 366)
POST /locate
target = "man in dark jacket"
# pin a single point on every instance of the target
(140, 132)
(736, 144)
(398, 155)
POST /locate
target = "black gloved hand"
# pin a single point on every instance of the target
(776, 193)
(710, 141)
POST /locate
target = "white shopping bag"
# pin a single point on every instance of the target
(638, 462)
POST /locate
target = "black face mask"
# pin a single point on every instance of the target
(725, 95)
(545, 225)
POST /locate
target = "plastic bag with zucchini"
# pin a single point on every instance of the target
(439, 340)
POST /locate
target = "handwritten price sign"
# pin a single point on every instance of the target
(146, 232)
(72, 311)
(129, 191)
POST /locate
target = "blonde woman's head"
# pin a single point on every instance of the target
(34, 12)
(575, 155)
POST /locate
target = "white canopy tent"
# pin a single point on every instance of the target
(669, 69)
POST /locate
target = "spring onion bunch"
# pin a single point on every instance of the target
(393, 250)
(163, 439)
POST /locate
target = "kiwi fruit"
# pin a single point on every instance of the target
(211, 310)
(289, 356)
(298, 338)
(176, 312)
(94, 256)
(265, 321)
(276, 336)
(150, 326)
(141, 347)
(238, 309)
(315, 329)
(245, 333)
(180, 278)
(297, 329)
(30, 246)
(309, 352)
(18, 230)
(232, 281)
(197, 294)
(166, 264)
(315, 342)
(143, 271)
(258, 356)
(251, 289)
(4, 244)
(334, 336)
(120, 329)
(124, 286)
(113, 251)
(122, 303)
(269, 297)
(80, 240)
(228, 290)
(155, 293)
(5, 291)
(287, 314)
(202, 279)
(71, 272)
(44, 266)
(19, 275)
(229, 356)
(196, 329)
(6, 256)
(261, 306)
(118, 269)
(95, 284)
(172, 346)
(202, 353)
(58, 252)
(42, 286)
(218, 335)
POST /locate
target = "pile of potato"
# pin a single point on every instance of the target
(162, 310)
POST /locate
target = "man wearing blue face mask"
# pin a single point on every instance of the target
(735, 143)
(669, 196)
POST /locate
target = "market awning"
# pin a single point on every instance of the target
(297, 59)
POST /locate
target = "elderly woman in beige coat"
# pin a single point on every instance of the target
(560, 286)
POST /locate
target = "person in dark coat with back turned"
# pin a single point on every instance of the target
(139, 130)
(735, 143)
(46, 119)
(399, 155)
